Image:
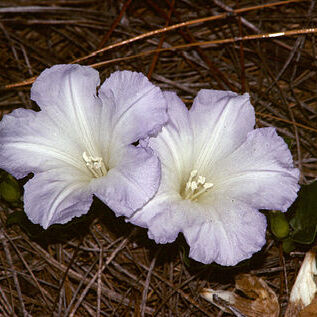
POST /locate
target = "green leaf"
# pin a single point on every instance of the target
(289, 142)
(304, 222)
(16, 218)
(288, 245)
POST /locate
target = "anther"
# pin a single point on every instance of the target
(193, 186)
(201, 180)
(95, 165)
(196, 186)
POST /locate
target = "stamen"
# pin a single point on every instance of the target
(196, 186)
(201, 180)
(192, 175)
(208, 185)
(95, 165)
(193, 186)
(202, 190)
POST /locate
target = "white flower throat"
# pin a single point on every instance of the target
(95, 164)
(196, 186)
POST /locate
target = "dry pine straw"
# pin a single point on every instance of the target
(112, 269)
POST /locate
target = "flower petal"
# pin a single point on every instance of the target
(232, 233)
(67, 93)
(131, 182)
(138, 108)
(174, 145)
(221, 121)
(163, 220)
(260, 172)
(57, 196)
(31, 142)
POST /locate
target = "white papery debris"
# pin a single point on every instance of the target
(305, 288)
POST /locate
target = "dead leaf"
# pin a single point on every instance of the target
(252, 297)
(262, 299)
(310, 310)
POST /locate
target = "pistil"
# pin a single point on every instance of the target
(196, 186)
(95, 165)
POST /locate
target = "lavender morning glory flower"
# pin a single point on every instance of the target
(80, 143)
(217, 172)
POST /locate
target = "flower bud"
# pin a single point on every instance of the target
(10, 190)
(279, 224)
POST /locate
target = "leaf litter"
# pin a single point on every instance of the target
(98, 265)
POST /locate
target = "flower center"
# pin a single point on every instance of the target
(95, 165)
(196, 186)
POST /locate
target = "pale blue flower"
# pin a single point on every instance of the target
(217, 172)
(80, 143)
